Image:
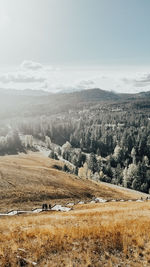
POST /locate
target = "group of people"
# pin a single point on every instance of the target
(45, 206)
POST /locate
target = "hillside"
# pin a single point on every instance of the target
(14, 103)
(28, 180)
(28, 102)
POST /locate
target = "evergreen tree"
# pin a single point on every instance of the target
(92, 163)
(133, 155)
(118, 154)
(130, 174)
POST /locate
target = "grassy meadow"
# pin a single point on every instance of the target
(110, 234)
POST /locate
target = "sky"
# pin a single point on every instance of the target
(75, 44)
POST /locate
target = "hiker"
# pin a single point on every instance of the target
(44, 206)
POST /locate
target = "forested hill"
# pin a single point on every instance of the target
(109, 132)
(29, 103)
(93, 95)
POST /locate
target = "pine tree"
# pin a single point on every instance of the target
(118, 154)
(130, 174)
(133, 155)
(146, 161)
(92, 163)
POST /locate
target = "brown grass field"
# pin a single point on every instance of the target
(110, 234)
(28, 180)
(101, 234)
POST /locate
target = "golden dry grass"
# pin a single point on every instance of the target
(110, 234)
(28, 180)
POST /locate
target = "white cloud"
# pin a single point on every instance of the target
(143, 81)
(31, 65)
(20, 77)
(138, 80)
(29, 72)
(37, 76)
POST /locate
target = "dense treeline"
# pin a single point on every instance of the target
(95, 130)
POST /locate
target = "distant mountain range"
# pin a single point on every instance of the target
(89, 94)
(32, 102)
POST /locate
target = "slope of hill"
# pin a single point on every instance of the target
(28, 180)
(28, 103)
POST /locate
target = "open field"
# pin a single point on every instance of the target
(28, 180)
(110, 234)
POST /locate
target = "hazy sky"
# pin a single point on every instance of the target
(88, 33)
